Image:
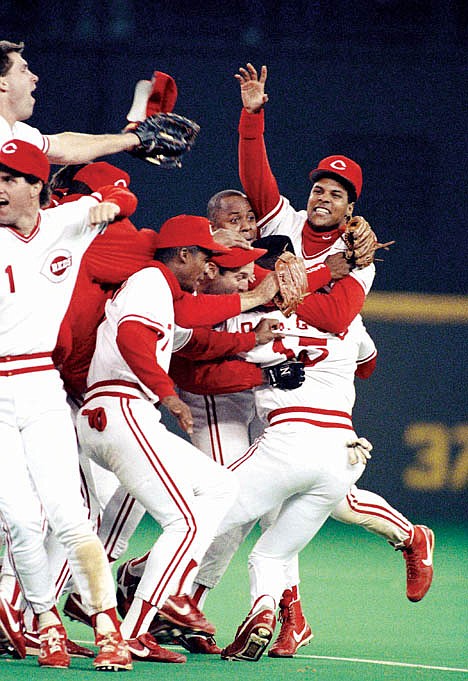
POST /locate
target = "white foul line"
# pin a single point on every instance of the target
(388, 663)
(382, 662)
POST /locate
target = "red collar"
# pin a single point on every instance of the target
(30, 236)
(314, 242)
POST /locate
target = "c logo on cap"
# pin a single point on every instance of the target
(338, 165)
(120, 183)
(9, 148)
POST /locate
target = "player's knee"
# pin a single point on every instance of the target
(73, 535)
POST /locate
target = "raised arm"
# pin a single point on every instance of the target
(255, 173)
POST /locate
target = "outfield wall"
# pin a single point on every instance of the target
(414, 407)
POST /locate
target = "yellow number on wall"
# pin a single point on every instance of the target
(434, 468)
(431, 465)
(459, 473)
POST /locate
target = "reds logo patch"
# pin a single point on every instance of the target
(57, 265)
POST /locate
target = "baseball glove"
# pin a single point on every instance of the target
(292, 279)
(361, 242)
(164, 138)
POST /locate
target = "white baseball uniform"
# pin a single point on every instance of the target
(39, 452)
(185, 492)
(300, 463)
(25, 132)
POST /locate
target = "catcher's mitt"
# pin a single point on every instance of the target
(361, 242)
(164, 138)
(292, 279)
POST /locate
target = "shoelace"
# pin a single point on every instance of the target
(412, 569)
(286, 616)
(107, 642)
(53, 640)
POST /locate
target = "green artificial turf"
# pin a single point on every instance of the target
(353, 592)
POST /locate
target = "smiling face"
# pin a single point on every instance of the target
(17, 86)
(328, 205)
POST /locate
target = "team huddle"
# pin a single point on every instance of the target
(244, 325)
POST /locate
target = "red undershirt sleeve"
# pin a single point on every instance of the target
(333, 311)
(121, 196)
(205, 309)
(206, 344)
(366, 369)
(255, 174)
(137, 344)
(216, 377)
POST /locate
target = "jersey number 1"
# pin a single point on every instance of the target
(9, 273)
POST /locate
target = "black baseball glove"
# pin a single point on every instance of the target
(164, 138)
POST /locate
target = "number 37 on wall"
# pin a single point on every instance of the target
(441, 460)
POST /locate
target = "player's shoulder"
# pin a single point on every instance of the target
(283, 219)
(74, 210)
(24, 132)
(148, 276)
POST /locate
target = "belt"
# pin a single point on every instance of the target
(323, 418)
(114, 389)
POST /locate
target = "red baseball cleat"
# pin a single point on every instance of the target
(252, 637)
(182, 611)
(162, 631)
(146, 649)
(53, 647)
(12, 627)
(418, 556)
(114, 654)
(73, 608)
(198, 643)
(295, 630)
(74, 650)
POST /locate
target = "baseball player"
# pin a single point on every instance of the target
(305, 442)
(185, 492)
(110, 258)
(41, 252)
(123, 513)
(162, 140)
(315, 232)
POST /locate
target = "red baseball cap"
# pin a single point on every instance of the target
(188, 230)
(344, 170)
(101, 173)
(25, 158)
(238, 257)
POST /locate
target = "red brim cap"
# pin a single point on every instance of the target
(100, 173)
(188, 230)
(25, 159)
(238, 257)
(341, 168)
